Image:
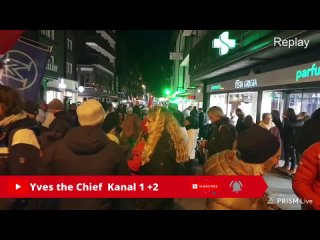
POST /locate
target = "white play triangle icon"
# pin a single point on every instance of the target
(17, 186)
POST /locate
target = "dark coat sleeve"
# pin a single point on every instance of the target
(223, 141)
(46, 162)
(122, 168)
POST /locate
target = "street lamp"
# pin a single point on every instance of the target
(143, 86)
(81, 89)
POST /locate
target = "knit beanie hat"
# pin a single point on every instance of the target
(56, 104)
(257, 145)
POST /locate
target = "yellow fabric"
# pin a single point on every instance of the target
(25, 136)
(12, 118)
(227, 163)
(49, 119)
(113, 138)
(4, 150)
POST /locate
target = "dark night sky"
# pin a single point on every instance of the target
(151, 50)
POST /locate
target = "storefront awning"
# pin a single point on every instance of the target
(255, 54)
(186, 94)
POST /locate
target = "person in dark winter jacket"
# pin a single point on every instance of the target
(73, 113)
(85, 150)
(61, 124)
(276, 120)
(310, 132)
(248, 122)
(240, 114)
(289, 138)
(173, 108)
(223, 135)
(19, 147)
(31, 109)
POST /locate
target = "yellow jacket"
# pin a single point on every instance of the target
(227, 163)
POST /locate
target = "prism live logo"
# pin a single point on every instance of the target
(224, 43)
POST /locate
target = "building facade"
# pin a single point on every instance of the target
(249, 69)
(59, 80)
(185, 93)
(96, 58)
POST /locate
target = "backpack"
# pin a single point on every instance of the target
(15, 162)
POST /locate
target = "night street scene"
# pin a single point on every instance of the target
(204, 111)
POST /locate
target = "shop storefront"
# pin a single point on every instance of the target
(61, 88)
(295, 87)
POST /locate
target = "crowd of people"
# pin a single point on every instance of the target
(96, 139)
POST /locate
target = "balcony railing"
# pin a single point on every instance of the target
(111, 34)
(90, 59)
(97, 39)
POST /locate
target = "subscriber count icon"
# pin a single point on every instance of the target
(236, 186)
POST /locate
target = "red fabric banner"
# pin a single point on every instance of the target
(8, 39)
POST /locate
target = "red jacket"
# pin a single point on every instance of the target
(306, 182)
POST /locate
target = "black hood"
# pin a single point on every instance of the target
(86, 140)
(223, 120)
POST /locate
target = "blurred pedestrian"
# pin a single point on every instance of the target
(252, 157)
(306, 182)
(86, 151)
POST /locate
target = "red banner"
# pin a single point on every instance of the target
(8, 39)
(132, 186)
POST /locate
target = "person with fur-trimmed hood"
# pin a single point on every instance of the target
(253, 157)
(163, 154)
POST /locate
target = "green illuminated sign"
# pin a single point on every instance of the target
(308, 72)
(216, 87)
(224, 43)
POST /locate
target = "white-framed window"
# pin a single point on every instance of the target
(68, 43)
(47, 33)
(69, 67)
(52, 34)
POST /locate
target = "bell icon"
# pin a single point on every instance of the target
(236, 186)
